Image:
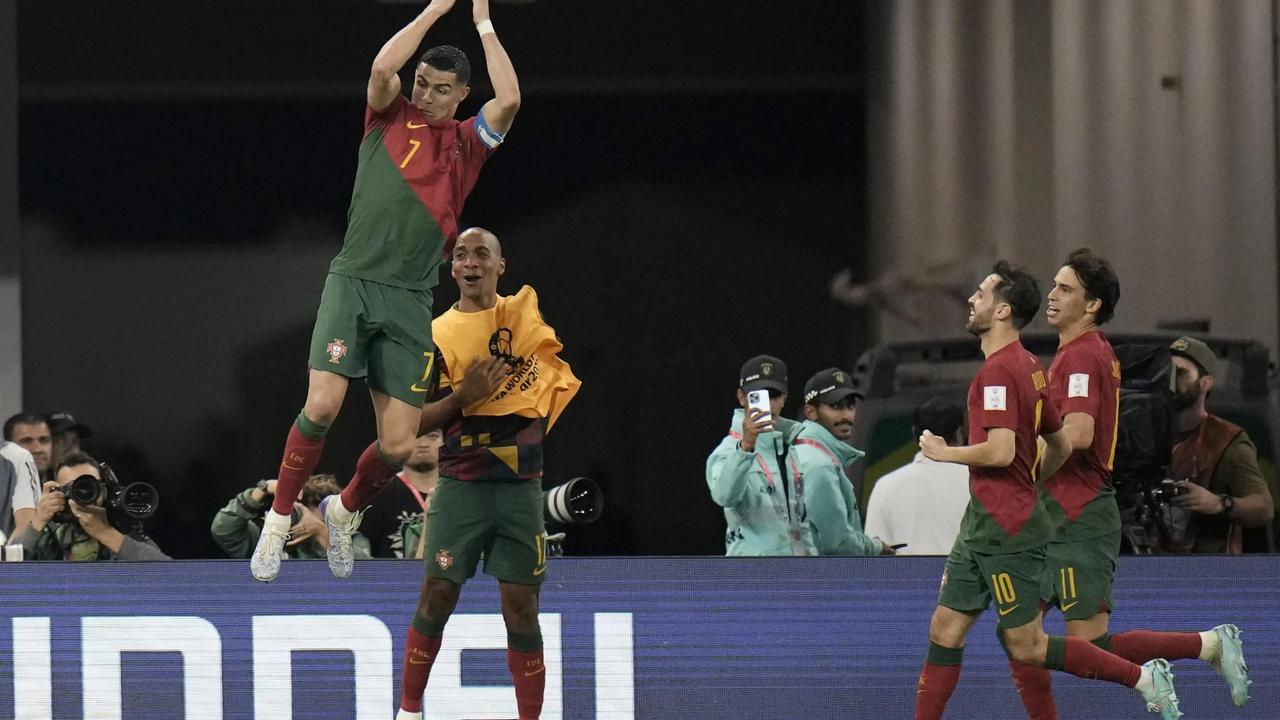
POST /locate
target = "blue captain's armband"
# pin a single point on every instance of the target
(490, 137)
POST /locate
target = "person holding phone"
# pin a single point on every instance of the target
(823, 450)
(754, 473)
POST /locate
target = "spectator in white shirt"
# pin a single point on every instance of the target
(19, 488)
(921, 503)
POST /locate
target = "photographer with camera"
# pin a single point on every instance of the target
(80, 514)
(237, 526)
(1216, 487)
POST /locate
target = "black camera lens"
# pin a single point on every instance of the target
(86, 490)
(139, 500)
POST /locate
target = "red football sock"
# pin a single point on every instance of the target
(530, 679)
(934, 689)
(1139, 646)
(1036, 690)
(419, 654)
(372, 474)
(1084, 659)
(301, 454)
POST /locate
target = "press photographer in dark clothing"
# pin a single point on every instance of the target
(1218, 484)
(64, 529)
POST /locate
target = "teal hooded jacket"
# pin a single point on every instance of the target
(761, 492)
(828, 492)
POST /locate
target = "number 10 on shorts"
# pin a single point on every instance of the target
(1002, 586)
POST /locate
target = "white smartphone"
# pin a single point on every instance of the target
(759, 399)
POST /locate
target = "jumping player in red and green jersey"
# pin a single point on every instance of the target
(417, 164)
(1000, 552)
(1084, 384)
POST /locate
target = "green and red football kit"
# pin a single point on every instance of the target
(411, 182)
(1084, 378)
(1000, 550)
(374, 319)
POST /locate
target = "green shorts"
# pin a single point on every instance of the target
(501, 521)
(1078, 576)
(972, 579)
(382, 332)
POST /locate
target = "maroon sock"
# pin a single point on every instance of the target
(1084, 659)
(1036, 690)
(1139, 646)
(419, 654)
(530, 678)
(372, 474)
(934, 689)
(301, 454)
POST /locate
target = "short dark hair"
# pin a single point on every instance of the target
(1019, 289)
(448, 58)
(23, 418)
(76, 458)
(939, 416)
(1098, 278)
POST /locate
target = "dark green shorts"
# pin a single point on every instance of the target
(382, 332)
(501, 521)
(971, 580)
(1078, 576)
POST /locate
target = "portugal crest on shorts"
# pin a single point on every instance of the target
(336, 350)
(444, 559)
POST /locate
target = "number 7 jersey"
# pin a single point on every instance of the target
(411, 182)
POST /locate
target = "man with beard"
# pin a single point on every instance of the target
(407, 498)
(823, 453)
(1220, 487)
(1084, 385)
(1000, 552)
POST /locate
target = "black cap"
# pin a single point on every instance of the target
(763, 371)
(61, 422)
(829, 386)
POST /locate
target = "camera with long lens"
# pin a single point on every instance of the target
(576, 502)
(126, 504)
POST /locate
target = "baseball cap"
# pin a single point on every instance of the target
(829, 386)
(61, 422)
(1195, 351)
(763, 371)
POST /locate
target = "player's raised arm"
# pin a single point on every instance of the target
(499, 112)
(384, 78)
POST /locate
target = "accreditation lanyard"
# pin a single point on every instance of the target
(797, 514)
(422, 499)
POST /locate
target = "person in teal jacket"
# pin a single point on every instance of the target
(754, 474)
(823, 452)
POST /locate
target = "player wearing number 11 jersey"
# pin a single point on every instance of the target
(1000, 552)
(416, 167)
(1084, 384)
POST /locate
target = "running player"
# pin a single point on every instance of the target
(417, 165)
(1084, 384)
(1000, 552)
(501, 388)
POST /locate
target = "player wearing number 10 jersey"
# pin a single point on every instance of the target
(416, 167)
(1000, 552)
(1084, 384)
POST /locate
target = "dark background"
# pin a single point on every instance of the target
(681, 182)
